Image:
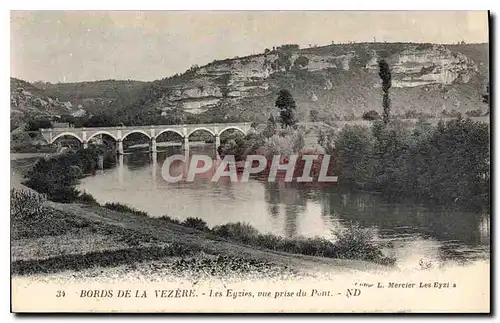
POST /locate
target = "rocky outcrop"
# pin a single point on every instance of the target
(252, 77)
(433, 65)
(244, 77)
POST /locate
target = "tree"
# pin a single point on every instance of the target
(385, 75)
(101, 120)
(301, 61)
(68, 118)
(37, 124)
(286, 104)
(354, 161)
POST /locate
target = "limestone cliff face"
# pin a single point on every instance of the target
(240, 78)
(430, 66)
(341, 79)
(424, 66)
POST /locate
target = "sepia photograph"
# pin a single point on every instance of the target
(250, 161)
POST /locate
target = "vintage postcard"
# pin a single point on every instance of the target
(250, 161)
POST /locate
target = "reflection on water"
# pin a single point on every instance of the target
(409, 232)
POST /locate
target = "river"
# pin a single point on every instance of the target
(411, 233)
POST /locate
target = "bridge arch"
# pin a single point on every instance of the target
(102, 133)
(169, 130)
(201, 128)
(232, 128)
(136, 131)
(71, 134)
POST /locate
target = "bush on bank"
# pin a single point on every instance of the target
(351, 243)
(282, 142)
(125, 208)
(195, 223)
(444, 164)
(87, 198)
(57, 176)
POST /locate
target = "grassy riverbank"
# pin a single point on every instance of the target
(49, 237)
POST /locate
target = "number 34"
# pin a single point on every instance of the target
(60, 293)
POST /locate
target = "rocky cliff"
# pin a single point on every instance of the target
(338, 81)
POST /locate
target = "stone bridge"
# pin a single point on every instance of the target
(84, 135)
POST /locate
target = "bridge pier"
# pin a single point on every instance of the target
(154, 166)
(120, 166)
(119, 147)
(100, 162)
(152, 145)
(217, 142)
(85, 145)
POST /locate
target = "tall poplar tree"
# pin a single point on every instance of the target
(385, 75)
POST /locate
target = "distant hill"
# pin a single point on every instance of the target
(28, 101)
(96, 96)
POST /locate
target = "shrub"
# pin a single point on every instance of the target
(371, 115)
(351, 243)
(124, 208)
(284, 143)
(241, 232)
(301, 61)
(354, 242)
(58, 175)
(26, 205)
(64, 194)
(195, 223)
(269, 241)
(87, 198)
(168, 219)
(317, 247)
(241, 146)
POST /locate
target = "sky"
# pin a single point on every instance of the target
(74, 46)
